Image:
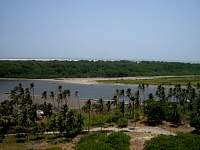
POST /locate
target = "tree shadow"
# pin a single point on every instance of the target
(196, 132)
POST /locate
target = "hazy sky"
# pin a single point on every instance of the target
(118, 29)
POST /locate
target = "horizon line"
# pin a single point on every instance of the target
(98, 59)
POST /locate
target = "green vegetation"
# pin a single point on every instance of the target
(180, 142)
(122, 122)
(84, 68)
(182, 80)
(58, 123)
(21, 116)
(103, 141)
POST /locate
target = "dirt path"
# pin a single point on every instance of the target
(138, 134)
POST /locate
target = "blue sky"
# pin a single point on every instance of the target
(109, 29)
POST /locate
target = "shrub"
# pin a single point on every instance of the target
(116, 116)
(171, 113)
(154, 111)
(122, 122)
(20, 137)
(183, 141)
(119, 140)
(102, 141)
(2, 136)
(195, 122)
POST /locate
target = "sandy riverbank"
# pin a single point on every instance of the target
(89, 80)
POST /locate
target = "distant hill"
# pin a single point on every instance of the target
(85, 68)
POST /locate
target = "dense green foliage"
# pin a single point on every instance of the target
(180, 142)
(122, 122)
(102, 141)
(195, 122)
(19, 115)
(154, 112)
(157, 111)
(84, 68)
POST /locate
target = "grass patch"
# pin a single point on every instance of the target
(183, 141)
(101, 119)
(9, 143)
(102, 141)
(182, 80)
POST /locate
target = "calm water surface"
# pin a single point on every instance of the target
(97, 91)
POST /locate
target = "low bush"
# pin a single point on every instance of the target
(20, 137)
(195, 122)
(116, 116)
(183, 141)
(122, 122)
(2, 136)
(103, 141)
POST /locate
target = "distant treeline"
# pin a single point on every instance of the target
(84, 68)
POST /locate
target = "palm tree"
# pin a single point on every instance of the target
(100, 110)
(60, 88)
(68, 92)
(137, 98)
(32, 88)
(59, 99)
(52, 97)
(122, 94)
(129, 95)
(160, 92)
(65, 96)
(170, 93)
(78, 99)
(88, 103)
(108, 104)
(60, 94)
(100, 105)
(44, 96)
(198, 85)
(143, 90)
(27, 97)
(116, 97)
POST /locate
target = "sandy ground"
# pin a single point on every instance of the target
(72, 102)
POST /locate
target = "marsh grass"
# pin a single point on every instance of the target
(182, 80)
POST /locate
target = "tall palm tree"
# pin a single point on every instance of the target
(131, 99)
(137, 98)
(32, 88)
(52, 97)
(116, 97)
(100, 110)
(44, 96)
(122, 94)
(141, 87)
(170, 93)
(198, 86)
(88, 103)
(100, 105)
(108, 104)
(65, 96)
(60, 96)
(68, 96)
(78, 99)
(59, 100)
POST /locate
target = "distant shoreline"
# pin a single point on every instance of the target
(101, 80)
